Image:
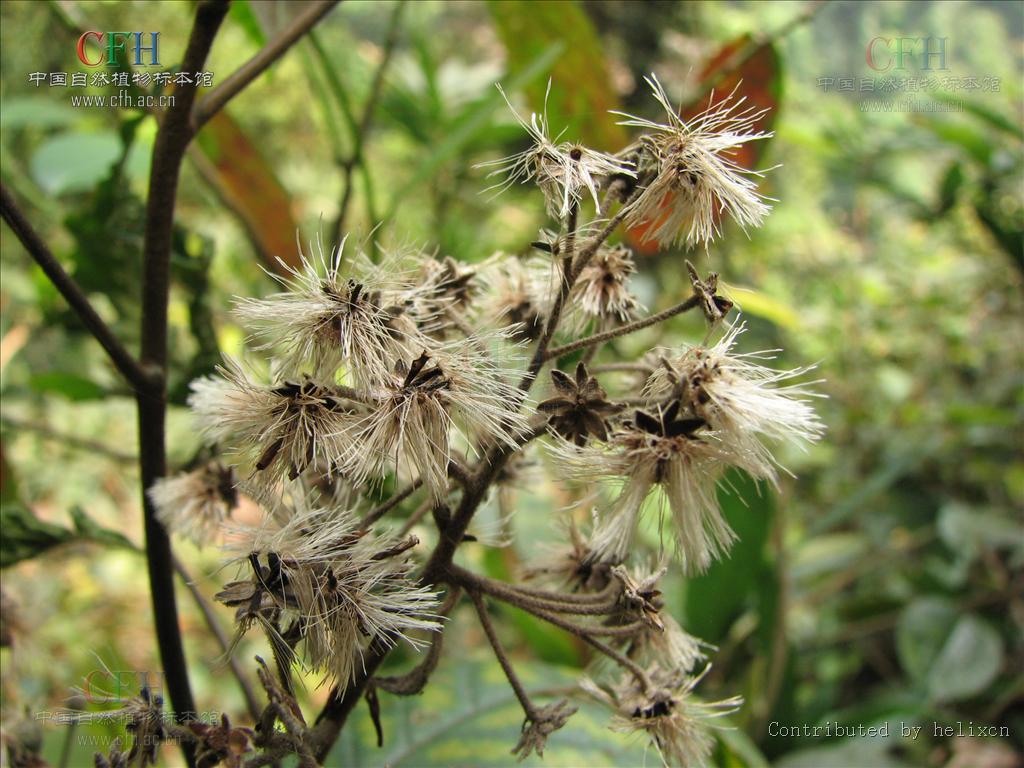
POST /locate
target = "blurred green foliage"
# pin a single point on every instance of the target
(883, 585)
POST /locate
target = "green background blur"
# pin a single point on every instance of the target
(884, 584)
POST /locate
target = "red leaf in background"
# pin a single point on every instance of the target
(247, 183)
(753, 70)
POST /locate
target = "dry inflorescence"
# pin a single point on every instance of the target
(414, 374)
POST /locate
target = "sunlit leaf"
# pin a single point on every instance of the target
(247, 181)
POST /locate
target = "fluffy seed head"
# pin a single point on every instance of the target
(195, 504)
(565, 172)
(687, 177)
(667, 712)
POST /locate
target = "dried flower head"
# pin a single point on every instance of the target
(279, 430)
(666, 711)
(545, 721)
(659, 638)
(337, 310)
(564, 172)
(195, 504)
(519, 293)
(602, 289)
(743, 401)
(446, 288)
(713, 306)
(315, 577)
(143, 718)
(580, 407)
(665, 450)
(687, 178)
(455, 388)
(222, 744)
(570, 566)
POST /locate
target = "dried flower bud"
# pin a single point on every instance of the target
(315, 577)
(455, 387)
(580, 407)
(195, 504)
(744, 402)
(337, 311)
(536, 730)
(602, 289)
(665, 450)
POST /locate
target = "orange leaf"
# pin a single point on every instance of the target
(248, 185)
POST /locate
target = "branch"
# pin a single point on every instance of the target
(622, 330)
(173, 136)
(378, 512)
(251, 702)
(68, 441)
(122, 359)
(359, 139)
(605, 603)
(499, 653)
(215, 100)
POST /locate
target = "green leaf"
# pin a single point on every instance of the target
(761, 304)
(744, 580)
(468, 125)
(35, 112)
(469, 716)
(240, 12)
(986, 114)
(72, 162)
(950, 655)
(70, 385)
(581, 93)
(26, 536)
(87, 528)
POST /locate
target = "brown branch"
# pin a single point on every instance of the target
(379, 511)
(173, 136)
(359, 140)
(68, 441)
(499, 653)
(210, 617)
(238, 80)
(514, 596)
(122, 359)
(622, 330)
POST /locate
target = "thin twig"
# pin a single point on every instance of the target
(251, 702)
(359, 140)
(586, 635)
(122, 359)
(172, 138)
(513, 596)
(569, 275)
(71, 441)
(215, 100)
(379, 511)
(281, 701)
(499, 653)
(622, 330)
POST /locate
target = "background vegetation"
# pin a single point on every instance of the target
(885, 584)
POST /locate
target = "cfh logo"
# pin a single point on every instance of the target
(885, 53)
(115, 42)
(104, 684)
